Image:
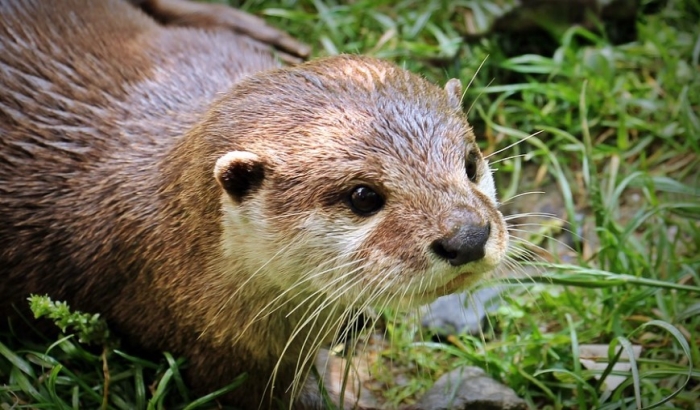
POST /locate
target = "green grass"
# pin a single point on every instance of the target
(620, 140)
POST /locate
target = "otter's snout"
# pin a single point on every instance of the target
(464, 245)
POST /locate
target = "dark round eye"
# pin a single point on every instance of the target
(471, 167)
(364, 201)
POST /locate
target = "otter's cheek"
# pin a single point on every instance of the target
(327, 251)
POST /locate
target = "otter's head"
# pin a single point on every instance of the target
(354, 179)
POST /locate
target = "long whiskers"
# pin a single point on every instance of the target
(506, 201)
(471, 81)
(346, 316)
(275, 305)
(534, 214)
(513, 144)
(506, 159)
(311, 318)
(241, 287)
(379, 294)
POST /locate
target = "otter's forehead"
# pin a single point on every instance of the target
(404, 146)
(370, 114)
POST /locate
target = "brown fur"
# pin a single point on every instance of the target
(112, 125)
(190, 14)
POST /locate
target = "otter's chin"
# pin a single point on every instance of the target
(457, 284)
(460, 283)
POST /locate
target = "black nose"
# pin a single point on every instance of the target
(463, 246)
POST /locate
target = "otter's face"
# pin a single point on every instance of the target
(358, 181)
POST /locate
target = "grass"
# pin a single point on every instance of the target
(620, 142)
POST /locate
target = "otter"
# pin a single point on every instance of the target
(210, 202)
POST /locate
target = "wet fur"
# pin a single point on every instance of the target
(113, 166)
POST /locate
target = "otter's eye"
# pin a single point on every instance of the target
(471, 167)
(364, 201)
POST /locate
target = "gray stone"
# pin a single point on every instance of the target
(461, 313)
(469, 388)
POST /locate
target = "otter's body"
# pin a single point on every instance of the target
(146, 176)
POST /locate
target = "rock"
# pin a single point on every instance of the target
(461, 313)
(469, 388)
(518, 16)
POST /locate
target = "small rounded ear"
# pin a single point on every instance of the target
(239, 173)
(453, 88)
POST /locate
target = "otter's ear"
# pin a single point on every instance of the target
(239, 173)
(453, 88)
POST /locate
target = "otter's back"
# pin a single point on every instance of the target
(91, 94)
(76, 67)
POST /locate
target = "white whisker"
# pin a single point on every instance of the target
(513, 144)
